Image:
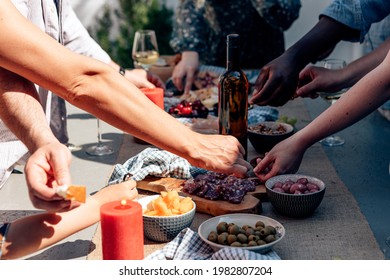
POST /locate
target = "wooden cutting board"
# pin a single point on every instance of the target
(250, 204)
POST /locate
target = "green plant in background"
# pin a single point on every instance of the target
(131, 16)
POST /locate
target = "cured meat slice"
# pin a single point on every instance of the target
(219, 186)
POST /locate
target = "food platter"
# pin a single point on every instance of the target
(251, 202)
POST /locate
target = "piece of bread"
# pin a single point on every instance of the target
(73, 192)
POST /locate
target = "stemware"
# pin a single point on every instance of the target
(331, 97)
(145, 49)
(100, 149)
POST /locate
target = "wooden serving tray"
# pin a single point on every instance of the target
(250, 204)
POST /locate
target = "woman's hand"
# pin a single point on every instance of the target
(315, 79)
(142, 79)
(186, 69)
(285, 157)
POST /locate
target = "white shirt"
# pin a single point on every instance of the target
(64, 27)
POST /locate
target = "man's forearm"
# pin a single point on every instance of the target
(21, 111)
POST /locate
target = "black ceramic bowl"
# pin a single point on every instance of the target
(265, 135)
(294, 205)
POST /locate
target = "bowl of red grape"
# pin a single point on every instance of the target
(295, 195)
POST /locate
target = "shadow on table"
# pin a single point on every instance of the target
(65, 251)
(114, 140)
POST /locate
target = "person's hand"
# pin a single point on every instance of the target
(314, 79)
(142, 79)
(47, 168)
(276, 83)
(126, 190)
(186, 69)
(285, 157)
(220, 154)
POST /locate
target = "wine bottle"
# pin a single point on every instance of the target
(233, 89)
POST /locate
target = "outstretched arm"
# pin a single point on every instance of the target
(315, 79)
(363, 98)
(95, 87)
(33, 233)
(278, 80)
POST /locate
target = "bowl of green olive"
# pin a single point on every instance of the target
(247, 231)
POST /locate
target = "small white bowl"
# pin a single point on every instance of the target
(165, 228)
(240, 219)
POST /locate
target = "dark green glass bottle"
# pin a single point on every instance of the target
(233, 95)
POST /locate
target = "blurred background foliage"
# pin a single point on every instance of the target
(115, 29)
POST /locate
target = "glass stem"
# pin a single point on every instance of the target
(99, 133)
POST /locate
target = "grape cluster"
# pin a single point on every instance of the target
(189, 109)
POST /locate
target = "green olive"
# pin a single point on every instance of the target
(252, 243)
(250, 231)
(222, 239)
(261, 242)
(236, 244)
(270, 238)
(258, 228)
(272, 230)
(242, 238)
(234, 229)
(259, 224)
(231, 238)
(221, 227)
(265, 232)
(244, 227)
(253, 237)
(213, 237)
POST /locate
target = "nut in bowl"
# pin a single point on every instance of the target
(295, 195)
(265, 135)
(247, 231)
(160, 224)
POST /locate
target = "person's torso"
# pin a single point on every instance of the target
(260, 42)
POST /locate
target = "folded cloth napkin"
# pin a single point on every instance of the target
(187, 245)
(153, 162)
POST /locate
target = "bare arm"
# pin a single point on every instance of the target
(315, 79)
(363, 98)
(33, 233)
(278, 79)
(100, 90)
(21, 111)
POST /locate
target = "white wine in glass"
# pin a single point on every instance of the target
(331, 97)
(145, 49)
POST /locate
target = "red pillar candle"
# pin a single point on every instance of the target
(156, 95)
(122, 230)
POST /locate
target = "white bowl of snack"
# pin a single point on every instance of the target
(247, 231)
(166, 214)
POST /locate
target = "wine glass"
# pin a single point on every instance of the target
(331, 97)
(99, 149)
(145, 50)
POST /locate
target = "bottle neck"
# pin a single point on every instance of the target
(233, 57)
